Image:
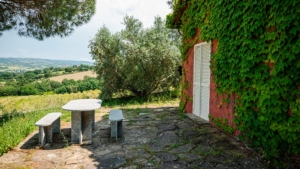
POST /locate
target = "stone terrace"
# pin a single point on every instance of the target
(152, 138)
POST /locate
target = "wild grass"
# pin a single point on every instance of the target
(40, 102)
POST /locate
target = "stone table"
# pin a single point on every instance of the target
(82, 119)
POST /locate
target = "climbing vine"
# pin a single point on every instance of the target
(257, 58)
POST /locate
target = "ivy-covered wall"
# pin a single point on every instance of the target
(257, 61)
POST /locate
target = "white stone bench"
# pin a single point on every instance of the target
(48, 125)
(116, 123)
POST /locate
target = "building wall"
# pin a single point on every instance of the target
(218, 108)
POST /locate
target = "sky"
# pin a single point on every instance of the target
(75, 46)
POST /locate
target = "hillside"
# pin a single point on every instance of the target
(25, 64)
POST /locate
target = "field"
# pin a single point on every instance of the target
(74, 76)
(23, 104)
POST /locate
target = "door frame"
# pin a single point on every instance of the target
(198, 112)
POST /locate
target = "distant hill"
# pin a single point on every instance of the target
(25, 64)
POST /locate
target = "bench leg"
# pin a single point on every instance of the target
(49, 134)
(87, 126)
(93, 119)
(116, 129)
(42, 135)
(120, 128)
(56, 126)
(76, 132)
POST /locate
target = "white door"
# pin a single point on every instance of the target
(201, 80)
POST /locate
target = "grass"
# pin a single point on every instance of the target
(39, 102)
(16, 126)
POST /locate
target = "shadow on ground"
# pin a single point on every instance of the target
(152, 138)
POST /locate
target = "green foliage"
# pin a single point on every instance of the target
(138, 60)
(9, 91)
(28, 89)
(15, 127)
(223, 124)
(40, 19)
(257, 59)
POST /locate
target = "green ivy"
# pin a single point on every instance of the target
(223, 124)
(257, 58)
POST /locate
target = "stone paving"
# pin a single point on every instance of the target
(152, 138)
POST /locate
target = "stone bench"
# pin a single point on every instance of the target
(48, 125)
(116, 122)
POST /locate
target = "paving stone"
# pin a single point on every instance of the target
(158, 110)
(224, 144)
(174, 165)
(203, 148)
(140, 161)
(197, 119)
(186, 125)
(129, 167)
(111, 161)
(155, 161)
(167, 138)
(189, 157)
(200, 164)
(190, 134)
(229, 166)
(102, 152)
(207, 129)
(139, 153)
(249, 163)
(183, 149)
(215, 159)
(165, 127)
(166, 157)
(155, 147)
(146, 144)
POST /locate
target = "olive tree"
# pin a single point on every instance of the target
(136, 59)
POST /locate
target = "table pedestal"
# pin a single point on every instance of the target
(82, 125)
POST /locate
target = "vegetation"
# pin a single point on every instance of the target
(40, 19)
(257, 60)
(23, 104)
(34, 82)
(138, 60)
(21, 65)
(48, 86)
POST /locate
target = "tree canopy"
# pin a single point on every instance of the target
(136, 59)
(44, 18)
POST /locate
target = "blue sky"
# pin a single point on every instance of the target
(75, 46)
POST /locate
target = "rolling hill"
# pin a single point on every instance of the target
(25, 64)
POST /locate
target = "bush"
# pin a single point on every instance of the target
(28, 89)
(61, 90)
(9, 91)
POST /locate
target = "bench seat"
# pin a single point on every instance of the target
(116, 123)
(48, 125)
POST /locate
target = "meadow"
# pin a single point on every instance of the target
(23, 104)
